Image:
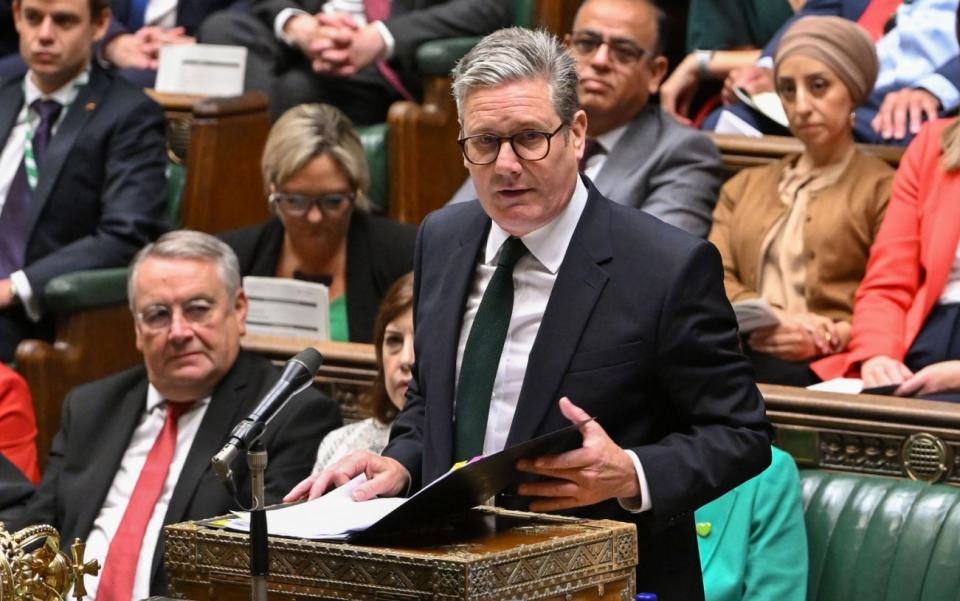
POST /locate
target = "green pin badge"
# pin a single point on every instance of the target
(703, 529)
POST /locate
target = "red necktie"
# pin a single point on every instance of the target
(120, 567)
(379, 10)
(876, 16)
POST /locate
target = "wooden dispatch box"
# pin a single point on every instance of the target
(487, 554)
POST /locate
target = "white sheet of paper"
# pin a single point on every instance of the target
(754, 314)
(768, 103)
(728, 123)
(287, 308)
(841, 385)
(203, 69)
(330, 517)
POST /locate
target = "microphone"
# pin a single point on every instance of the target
(297, 375)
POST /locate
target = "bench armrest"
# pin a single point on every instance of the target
(85, 289)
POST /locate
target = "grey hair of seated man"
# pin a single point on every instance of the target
(516, 54)
(188, 244)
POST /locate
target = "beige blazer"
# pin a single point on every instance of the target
(841, 224)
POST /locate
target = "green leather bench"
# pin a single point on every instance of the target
(876, 538)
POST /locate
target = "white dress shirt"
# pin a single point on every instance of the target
(111, 513)
(951, 291)
(608, 141)
(162, 13)
(533, 278)
(13, 150)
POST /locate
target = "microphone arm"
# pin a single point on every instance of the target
(297, 375)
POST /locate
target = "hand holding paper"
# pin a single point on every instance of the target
(385, 478)
(597, 471)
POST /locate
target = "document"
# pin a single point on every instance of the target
(767, 103)
(287, 308)
(336, 516)
(202, 69)
(754, 314)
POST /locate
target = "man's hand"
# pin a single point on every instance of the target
(6, 293)
(800, 336)
(903, 107)
(141, 50)
(678, 91)
(932, 379)
(345, 52)
(597, 471)
(386, 477)
(883, 371)
(752, 79)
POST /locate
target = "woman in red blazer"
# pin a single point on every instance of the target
(18, 428)
(914, 257)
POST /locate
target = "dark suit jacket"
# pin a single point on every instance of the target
(379, 252)
(639, 333)
(102, 189)
(414, 22)
(99, 418)
(190, 14)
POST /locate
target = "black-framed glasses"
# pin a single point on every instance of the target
(298, 205)
(585, 43)
(196, 311)
(483, 149)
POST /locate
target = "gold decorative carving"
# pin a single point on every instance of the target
(926, 457)
(32, 567)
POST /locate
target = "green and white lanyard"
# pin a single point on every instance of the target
(29, 161)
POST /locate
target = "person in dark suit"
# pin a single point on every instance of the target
(89, 189)
(359, 56)
(107, 480)
(544, 290)
(639, 155)
(317, 180)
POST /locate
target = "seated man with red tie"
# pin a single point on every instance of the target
(134, 449)
(82, 165)
(358, 55)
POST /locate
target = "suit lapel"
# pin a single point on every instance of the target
(580, 281)
(11, 101)
(456, 281)
(614, 179)
(120, 419)
(62, 142)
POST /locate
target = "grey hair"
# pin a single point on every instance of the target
(188, 244)
(515, 54)
(306, 132)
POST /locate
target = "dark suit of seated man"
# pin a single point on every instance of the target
(82, 180)
(544, 290)
(134, 449)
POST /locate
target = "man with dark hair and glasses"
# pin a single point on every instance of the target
(134, 450)
(542, 303)
(636, 154)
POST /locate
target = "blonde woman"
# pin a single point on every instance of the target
(316, 179)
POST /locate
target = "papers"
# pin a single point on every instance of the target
(287, 308)
(841, 385)
(767, 103)
(204, 69)
(334, 516)
(754, 314)
(729, 123)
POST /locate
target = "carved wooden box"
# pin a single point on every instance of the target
(490, 554)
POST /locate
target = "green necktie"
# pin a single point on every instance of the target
(481, 356)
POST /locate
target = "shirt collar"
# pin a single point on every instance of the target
(609, 139)
(548, 244)
(65, 95)
(155, 400)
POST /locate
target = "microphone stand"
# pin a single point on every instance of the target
(259, 548)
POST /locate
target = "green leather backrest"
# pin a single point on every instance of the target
(875, 538)
(374, 140)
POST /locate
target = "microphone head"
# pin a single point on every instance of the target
(311, 359)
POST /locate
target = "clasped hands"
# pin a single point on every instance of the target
(597, 471)
(801, 336)
(334, 43)
(932, 379)
(141, 50)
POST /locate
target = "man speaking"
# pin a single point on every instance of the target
(545, 290)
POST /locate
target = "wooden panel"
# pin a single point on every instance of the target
(89, 344)
(740, 152)
(556, 15)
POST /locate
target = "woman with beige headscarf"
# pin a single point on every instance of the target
(797, 233)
